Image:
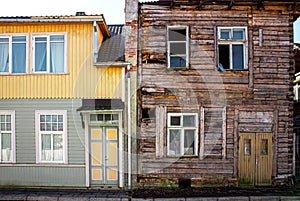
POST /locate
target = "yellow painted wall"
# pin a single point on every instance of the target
(83, 80)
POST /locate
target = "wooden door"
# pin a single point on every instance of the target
(255, 158)
(104, 155)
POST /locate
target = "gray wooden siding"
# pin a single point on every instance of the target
(25, 126)
(40, 175)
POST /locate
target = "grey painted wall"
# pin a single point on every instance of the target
(73, 174)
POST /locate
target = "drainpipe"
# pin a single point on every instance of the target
(129, 125)
(95, 42)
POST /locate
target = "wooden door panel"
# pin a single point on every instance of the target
(247, 158)
(264, 158)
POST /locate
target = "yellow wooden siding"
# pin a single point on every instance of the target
(82, 80)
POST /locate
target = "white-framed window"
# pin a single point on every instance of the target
(13, 54)
(51, 136)
(232, 48)
(7, 136)
(49, 53)
(178, 54)
(182, 137)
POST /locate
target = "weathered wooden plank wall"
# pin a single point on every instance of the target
(258, 99)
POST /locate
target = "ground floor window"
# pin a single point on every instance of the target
(182, 136)
(7, 136)
(51, 136)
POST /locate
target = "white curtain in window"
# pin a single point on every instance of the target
(6, 155)
(6, 152)
(4, 57)
(57, 57)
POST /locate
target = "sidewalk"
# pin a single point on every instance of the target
(39, 194)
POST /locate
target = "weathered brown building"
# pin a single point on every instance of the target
(215, 88)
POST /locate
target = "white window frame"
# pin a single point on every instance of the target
(182, 128)
(39, 133)
(10, 67)
(231, 42)
(13, 137)
(48, 35)
(186, 46)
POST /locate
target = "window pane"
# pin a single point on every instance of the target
(225, 34)
(57, 57)
(93, 117)
(58, 147)
(224, 59)
(189, 120)
(175, 121)
(239, 34)
(174, 142)
(4, 54)
(177, 34)
(48, 118)
(107, 117)
(8, 118)
(19, 54)
(238, 57)
(100, 117)
(6, 152)
(177, 62)
(189, 138)
(46, 148)
(60, 127)
(2, 118)
(115, 117)
(40, 54)
(42, 118)
(3, 127)
(60, 118)
(54, 118)
(177, 48)
(247, 147)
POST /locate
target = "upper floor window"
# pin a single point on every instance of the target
(182, 134)
(232, 48)
(7, 136)
(177, 47)
(51, 136)
(49, 53)
(13, 54)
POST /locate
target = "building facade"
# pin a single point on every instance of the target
(215, 95)
(63, 102)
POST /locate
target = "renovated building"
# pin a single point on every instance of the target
(63, 102)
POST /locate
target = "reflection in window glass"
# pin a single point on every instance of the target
(247, 147)
(174, 142)
(189, 136)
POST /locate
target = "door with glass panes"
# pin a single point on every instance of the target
(104, 155)
(255, 158)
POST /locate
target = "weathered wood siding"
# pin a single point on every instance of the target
(257, 99)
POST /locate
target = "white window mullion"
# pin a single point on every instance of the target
(230, 56)
(51, 147)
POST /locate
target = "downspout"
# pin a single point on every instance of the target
(129, 125)
(95, 42)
